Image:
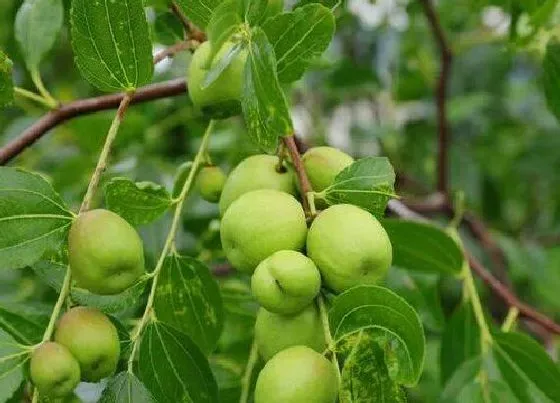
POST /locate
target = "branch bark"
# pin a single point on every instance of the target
(446, 57)
(85, 107)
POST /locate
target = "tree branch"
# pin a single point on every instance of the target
(446, 56)
(84, 107)
(305, 185)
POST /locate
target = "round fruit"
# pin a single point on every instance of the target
(253, 173)
(286, 282)
(210, 181)
(105, 252)
(274, 333)
(260, 223)
(221, 98)
(297, 375)
(54, 370)
(349, 246)
(322, 164)
(92, 339)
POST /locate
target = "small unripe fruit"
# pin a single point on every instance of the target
(210, 181)
(274, 333)
(92, 339)
(322, 164)
(286, 282)
(220, 99)
(260, 223)
(349, 246)
(54, 370)
(105, 252)
(253, 173)
(297, 375)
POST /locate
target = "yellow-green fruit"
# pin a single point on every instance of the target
(349, 246)
(54, 370)
(260, 223)
(322, 164)
(286, 282)
(220, 99)
(274, 332)
(210, 182)
(253, 173)
(105, 252)
(92, 339)
(297, 375)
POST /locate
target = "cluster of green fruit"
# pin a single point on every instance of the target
(264, 233)
(106, 256)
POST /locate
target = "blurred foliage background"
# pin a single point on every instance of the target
(371, 93)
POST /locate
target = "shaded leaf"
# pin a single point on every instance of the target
(12, 362)
(423, 247)
(25, 323)
(138, 203)
(33, 218)
(37, 25)
(6, 81)
(226, 19)
(188, 298)
(264, 106)
(173, 368)
(551, 77)
(299, 37)
(526, 368)
(368, 183)
(181, 177)
(126, 388)
(111, 43)
(198, 11)
(391, 321)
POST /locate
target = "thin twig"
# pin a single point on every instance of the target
(446, 56)
(247, 376)
(84, 107)
(191, 32)
(305, 185)
(172, 50)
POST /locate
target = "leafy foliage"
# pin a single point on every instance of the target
(12, 362)
(6, 82)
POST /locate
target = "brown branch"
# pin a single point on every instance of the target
(400, 209)
(305, 185)
(85, 107)
(446, 56)
(172, 50)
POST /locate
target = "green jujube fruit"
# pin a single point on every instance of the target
(260, 223)
(221, 99)
(286, 282)
(54, 371)
(322, 164)
(297, 375)
(210, 183)
(349, 246)
(253, 173)
(105, 253)
(274, 332)
(92, 339)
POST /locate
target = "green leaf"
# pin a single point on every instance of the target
(460, 341)
(226, 20)
(423, 247)
(198, 11)
(390, 320)
(167, 29)
(25, 323)
(188, 298)
(298, 38)
(111, 43)
(173, 368)
(254, 11)
(368, 183)
(264, 106)
(181, 177)
(6, 81)
(138, 203)
(37, 25)
(33, 218)
(327, 3)
(365, 377)
(551, 77)
(52, 273)
(526, 368)
(12, 363)
(222, 64)
(126, 388)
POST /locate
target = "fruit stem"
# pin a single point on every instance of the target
(331, 345)
(148, 312)
(33, 96)
(473, 297)
(510, 319)
(247, 375)
(49, 100)
(311, 200)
